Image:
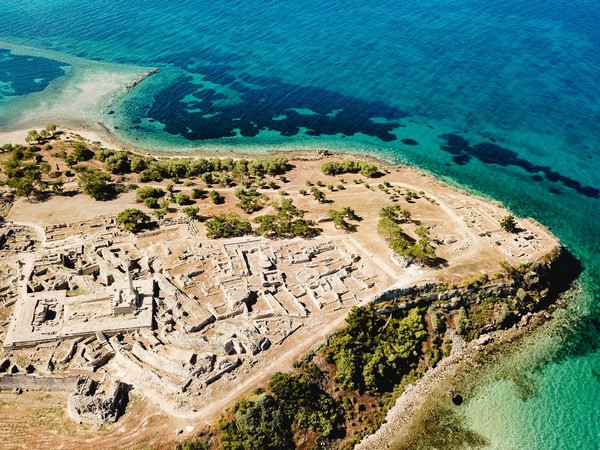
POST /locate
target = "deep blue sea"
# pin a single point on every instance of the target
(502, 98)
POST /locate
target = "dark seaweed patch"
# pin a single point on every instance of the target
(255, 103)
(490, 153)
(27, 74)
(408, 141)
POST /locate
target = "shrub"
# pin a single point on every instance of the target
(132, 220)
(199, 193)
(183, 199)
(191, 211)
(216, 198)
(149, 192)
(151, 202)
(223, 226)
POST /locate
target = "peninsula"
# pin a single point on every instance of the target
(144, 298)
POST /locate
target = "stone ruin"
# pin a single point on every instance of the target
(170, 316)
(96, 402)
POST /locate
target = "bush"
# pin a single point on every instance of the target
(199, 193)
(307, 405)
(250, 199)
(96, 184)
(151, 202)
(132, 220)
(288, 222)
(191, 211)
(509, 224)
(373, 353)
(216, 198)
(183, 199)
(223, 226)
(365, 168)
(318, 195)
(149, 192)
(258, 423)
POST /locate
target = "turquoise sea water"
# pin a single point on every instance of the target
(502, 98)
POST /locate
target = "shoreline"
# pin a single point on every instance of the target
(438, 383)
(101, 133)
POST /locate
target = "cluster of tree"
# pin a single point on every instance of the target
(395, 213)
(153, 169)
(287, 223)
(257, 422)
(373, 352)
(250, 199)
(340, 218)
(227, 226)
(42, 135)
(306, 404)
(97, 184)
(268, 420)
(79, 154)
(146, 192)
(365, 168)
(133, 220)
(24, 171)
(389, 227)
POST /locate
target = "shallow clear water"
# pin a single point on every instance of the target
(511, 85)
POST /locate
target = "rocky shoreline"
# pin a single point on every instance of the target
(561, 270)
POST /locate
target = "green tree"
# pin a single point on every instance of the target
(306, 404)
(183, 199)
(191, 211)
(96, 184)
(258, 423)
(118, 163)
(288, 222)
(250, 199)
(145, 192)
(338, 220)
(318, 195)
(509, 224)
(216, 198)
(199, 193)
(132, 220)
(223, 226)
(51, 129)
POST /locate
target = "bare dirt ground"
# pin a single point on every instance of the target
(38, 420)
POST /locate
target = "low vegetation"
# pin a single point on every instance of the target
(25, 171)
(365, 168)
(289, 222)
(250, 199)
(97, 184)
(340, 218)
(389, 227)
(227, 226)
(509, 224)
(132, 220)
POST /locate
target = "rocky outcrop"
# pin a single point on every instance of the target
(97, 403)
